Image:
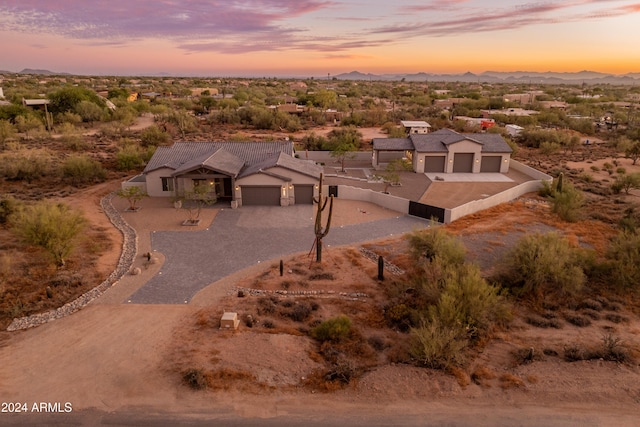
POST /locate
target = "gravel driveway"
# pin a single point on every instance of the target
(240, 238)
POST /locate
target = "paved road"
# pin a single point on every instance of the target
(240, 238)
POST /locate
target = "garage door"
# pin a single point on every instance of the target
(434, 164)
(304, 194)
(260, 195)
(491, 164)
(463, 163)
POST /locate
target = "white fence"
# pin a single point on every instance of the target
(388, 201)
(401, 205)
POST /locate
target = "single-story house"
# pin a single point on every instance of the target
(447, 151)
(416, 126)
(244, 173)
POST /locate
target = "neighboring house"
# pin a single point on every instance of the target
(513, 130)
(481, 122)
(244, 173)
(447, 151)
(36, 104)
(519, 112)
(415, 126)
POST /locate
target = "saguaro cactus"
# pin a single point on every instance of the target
(320, 233)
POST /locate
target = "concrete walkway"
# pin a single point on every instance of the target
(241, 238)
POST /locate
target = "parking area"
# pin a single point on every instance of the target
(240, 238)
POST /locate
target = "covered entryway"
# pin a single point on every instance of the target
(260, 195)
(304, 194)
(434, 164)
(463, 163)
(491, 164)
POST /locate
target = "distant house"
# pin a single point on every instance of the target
(243, 173)
(36, 104)
(520, 112)
(514, 130)
(415, 126)
(291, 108)
(447, 151)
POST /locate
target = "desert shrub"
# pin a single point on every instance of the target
(522, 356)
(154, 136)
(299, 312)
(591, 314)
(542, 264)
(53, 227)
(399, 316)
(510, 381)
(567, 204)
(482, 375)
(436, 242)
(268, 324)
(129, 157)
(8, 205)
(616, 318)
(577, 319)
(83, 170)
(590, 304)
(574, 353)
(542, 322)
(26, 165)
(439, 346)
(195, 378)
(335, 329)
(468, 300)
(322, 276)
(613, 349)
(623, 260)
(266, 305)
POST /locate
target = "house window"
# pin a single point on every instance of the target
(167, 184)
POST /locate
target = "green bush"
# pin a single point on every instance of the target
(567, 204)
(8, 205)
(541, 264)
(335, 329)
(438, 346)
(623, 260)
(53, 227)
(468, 300)
(83, 170)
(435, 243)
(154, 136)
(26, 165)
(129, 157)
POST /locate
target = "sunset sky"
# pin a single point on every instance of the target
(318, 37)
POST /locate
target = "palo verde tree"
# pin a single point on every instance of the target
(53, 227)
(200, 195)
(320, 233)
(133, 195)
(344, 143)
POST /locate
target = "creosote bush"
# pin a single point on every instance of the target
(335, 329)
(543, 264)
(83, 170)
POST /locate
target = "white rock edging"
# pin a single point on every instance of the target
(129, 250)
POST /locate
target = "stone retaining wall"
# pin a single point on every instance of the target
(129, 250)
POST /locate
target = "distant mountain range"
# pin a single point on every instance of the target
(516, 77)
(589, 77)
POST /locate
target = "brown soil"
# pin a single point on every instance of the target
(106, 356)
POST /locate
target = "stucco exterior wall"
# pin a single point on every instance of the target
(154, 183)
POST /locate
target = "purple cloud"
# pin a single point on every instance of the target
(518, 16)
(125, 19)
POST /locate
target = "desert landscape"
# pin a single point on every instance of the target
(330, 342)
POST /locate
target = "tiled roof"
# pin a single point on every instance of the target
(181, 153)
(221, 160)
(392, 144)
(437, 142)
(282, 160)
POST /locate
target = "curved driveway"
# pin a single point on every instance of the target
(240, 238)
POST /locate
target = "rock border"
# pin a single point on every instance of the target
(127, 257)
